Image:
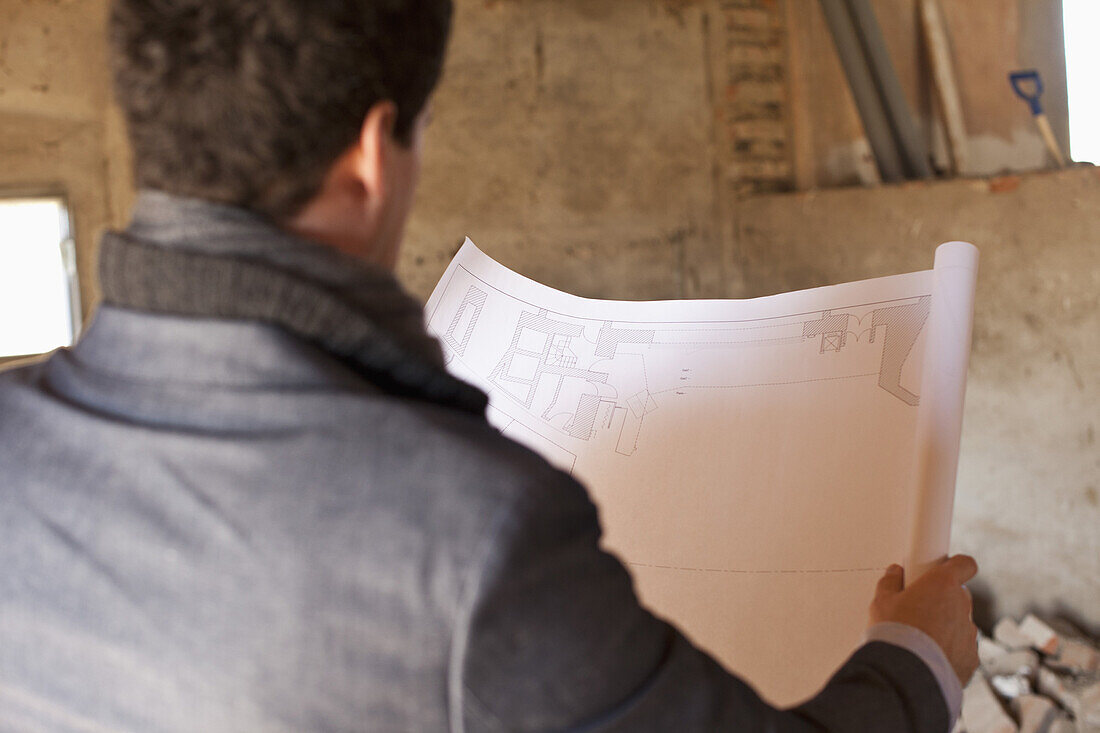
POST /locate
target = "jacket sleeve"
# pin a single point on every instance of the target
(550, 636)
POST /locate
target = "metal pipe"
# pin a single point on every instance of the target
(872, 112)
(913, 147)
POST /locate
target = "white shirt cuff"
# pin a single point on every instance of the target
(921, 644)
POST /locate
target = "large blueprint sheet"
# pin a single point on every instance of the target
(757, 463)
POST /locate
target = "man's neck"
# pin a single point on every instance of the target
(338, 220)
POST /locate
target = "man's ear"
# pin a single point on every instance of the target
(371, 158)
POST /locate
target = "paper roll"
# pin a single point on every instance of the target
(943, 388)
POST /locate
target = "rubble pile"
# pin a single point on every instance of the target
(1034, 678)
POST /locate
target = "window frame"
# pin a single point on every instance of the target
(54, 194)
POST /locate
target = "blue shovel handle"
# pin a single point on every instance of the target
(1018, 78)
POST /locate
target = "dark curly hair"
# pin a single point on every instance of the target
(250, 102)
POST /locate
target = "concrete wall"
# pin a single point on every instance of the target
(1028, 496)
(572, 139)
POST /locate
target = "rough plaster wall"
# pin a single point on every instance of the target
(1028, 497)
(53, 93)
(572, 141)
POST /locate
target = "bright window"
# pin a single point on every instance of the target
(1081, 19)
(39, 299)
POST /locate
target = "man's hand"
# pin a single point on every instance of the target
(938, 604)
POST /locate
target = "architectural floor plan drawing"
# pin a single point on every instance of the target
(757, 463)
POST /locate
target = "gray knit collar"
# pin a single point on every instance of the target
(202, 259)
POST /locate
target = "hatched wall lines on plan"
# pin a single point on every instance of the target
(542, 345)
(550, 345)
(465, 320)
(482, 283)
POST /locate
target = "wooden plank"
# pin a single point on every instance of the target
(947, 89)
(799, 124)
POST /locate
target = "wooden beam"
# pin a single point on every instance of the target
(947, 88)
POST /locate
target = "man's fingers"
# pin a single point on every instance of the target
(892, 582)
(961, 568)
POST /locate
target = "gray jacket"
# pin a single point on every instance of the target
(251, 499)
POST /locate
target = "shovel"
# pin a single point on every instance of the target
(1029, 87)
